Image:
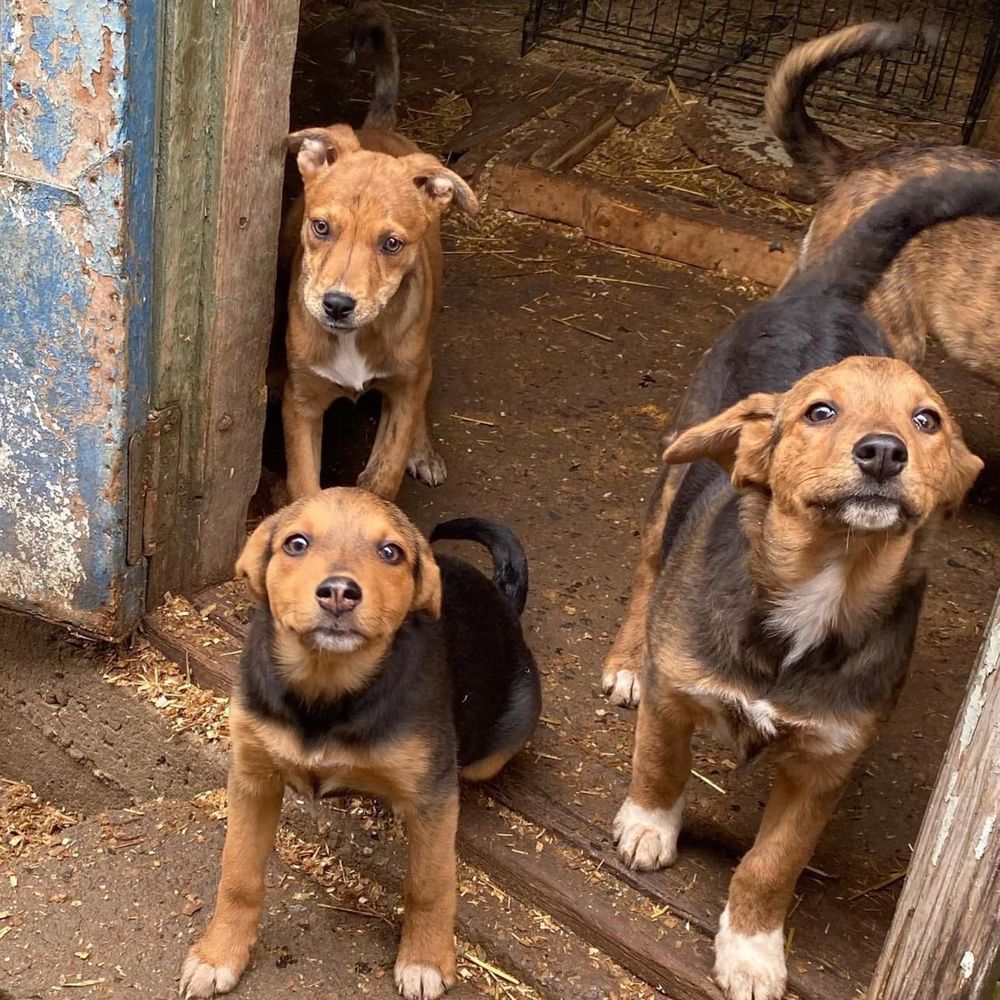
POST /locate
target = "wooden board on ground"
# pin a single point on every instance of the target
(677, 961)
(661, 226)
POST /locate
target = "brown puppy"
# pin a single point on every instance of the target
(945, 284)
(783, 564)
(371, 666)
(783, 619)
(365, 286)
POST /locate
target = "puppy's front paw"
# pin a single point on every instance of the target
(750, 967)
(427, 467)
(421, 982)
(622, 688)
(202, 978)
(647, 838)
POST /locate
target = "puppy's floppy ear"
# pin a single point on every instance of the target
(962, 471)
(316, 148)
(440, 185)
(426, 579)
(256, 554)
(738, 439)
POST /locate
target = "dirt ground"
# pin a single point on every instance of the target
(558, 365)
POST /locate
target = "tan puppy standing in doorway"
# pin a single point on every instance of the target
(365, 283)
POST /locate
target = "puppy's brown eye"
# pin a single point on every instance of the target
(320, 228)
(927, 420)
(392, 245)
(295, 545)
(391, 553)
(821, 413)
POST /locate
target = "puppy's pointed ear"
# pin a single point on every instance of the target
(316, 149)
(738, 439)
(962, 472)
(252, 563)
(426, 580)
(439, 185)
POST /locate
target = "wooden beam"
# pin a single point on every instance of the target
(944, 941)
(661, 226)
(224, 109)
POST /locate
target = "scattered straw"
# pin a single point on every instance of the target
(28, 824)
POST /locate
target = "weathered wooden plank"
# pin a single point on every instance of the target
(823, 977)
(251, 169)
(191, 102)
(945, 937)
(664, 227)
(677, 961)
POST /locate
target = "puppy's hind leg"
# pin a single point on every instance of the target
(649, 820)
(425, 965)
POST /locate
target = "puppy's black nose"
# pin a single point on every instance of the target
(880, 456)
(338, 306)
(339, 594)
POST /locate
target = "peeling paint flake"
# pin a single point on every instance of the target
(968, 965)
(984, 837)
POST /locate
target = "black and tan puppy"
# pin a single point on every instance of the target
(784, 566)
(371, 666)
(946, 283)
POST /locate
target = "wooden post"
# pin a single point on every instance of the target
(944, 942)
(224, 115)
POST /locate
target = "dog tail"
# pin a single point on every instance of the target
(857, 260)
(510, 564)
(372, 24)
(823, 157)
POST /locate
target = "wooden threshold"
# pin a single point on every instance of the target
(676, 961)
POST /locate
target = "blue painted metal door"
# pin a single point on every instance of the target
(77, 128)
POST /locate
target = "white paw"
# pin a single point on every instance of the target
(622, 688)
(750, 967)
(427, 467)
(199, 979)
(419, 982)
(647, 838)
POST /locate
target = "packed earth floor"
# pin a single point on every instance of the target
(558, 365)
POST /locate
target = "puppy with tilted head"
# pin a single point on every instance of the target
(363, 248)
(946, 283)
(783, 566)
(374, 666)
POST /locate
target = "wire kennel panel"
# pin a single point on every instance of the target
(728, 48)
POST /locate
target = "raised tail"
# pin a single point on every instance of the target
(372, 24)
(822, 156)
(854, 264)
(510, 564)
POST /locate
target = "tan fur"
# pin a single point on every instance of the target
(790, 472)
(345, 527)
(945, 283)
(365, 187)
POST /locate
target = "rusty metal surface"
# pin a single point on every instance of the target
(77, 108)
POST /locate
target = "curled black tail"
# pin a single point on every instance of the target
(510, 564)
(372, 24)
(856, 262)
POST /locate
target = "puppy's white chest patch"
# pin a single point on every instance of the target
(348, 367)
(810, 612)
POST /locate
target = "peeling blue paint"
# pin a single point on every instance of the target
(77, 112)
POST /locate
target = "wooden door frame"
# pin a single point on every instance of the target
(225, 84)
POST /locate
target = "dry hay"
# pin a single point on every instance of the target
(431, 127)
(28, 823)
(187, 707)
(653, 153)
